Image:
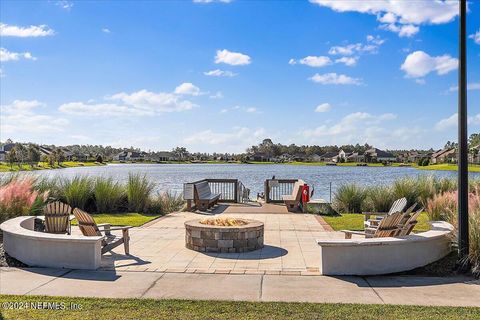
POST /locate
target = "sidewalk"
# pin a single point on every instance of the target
(407, 290)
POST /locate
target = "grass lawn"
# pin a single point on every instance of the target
(354, 221)
(123, 219)
(5, 167)
(449, 167)
(118, 309)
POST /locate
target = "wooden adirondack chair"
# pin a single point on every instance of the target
(408, 226)
(57, 217)
(373, 223)
(89, 228)
(388, 227)
(397, 206)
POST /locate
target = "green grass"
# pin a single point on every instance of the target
(94, 308)
(123, 219)
(449, 167)
(5, 167)
(353, 221)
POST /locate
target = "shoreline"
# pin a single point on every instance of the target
(5, 167)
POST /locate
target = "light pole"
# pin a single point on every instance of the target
(462, 136)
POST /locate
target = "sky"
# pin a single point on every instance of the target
(221, 75)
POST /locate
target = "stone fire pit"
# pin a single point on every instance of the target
(218, 238)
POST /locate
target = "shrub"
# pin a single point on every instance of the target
(17, 198)
(380, 198)
(166, 202)
(77, 191)
(139, 189)
(350, 198)
(427, 188)
(406, 187)
(108, 195)
(444, 207)
(441, 206)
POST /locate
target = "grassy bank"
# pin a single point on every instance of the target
(92, 308)
(5, 167)
(354, 221)
(449, 167)
(123, 219)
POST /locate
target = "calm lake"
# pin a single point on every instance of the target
(172, 176)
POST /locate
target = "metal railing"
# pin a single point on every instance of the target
(275, 189)
(230, 190)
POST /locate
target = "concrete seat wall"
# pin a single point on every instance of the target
(39, 249)
(376, 256)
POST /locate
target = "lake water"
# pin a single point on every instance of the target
(172, 176)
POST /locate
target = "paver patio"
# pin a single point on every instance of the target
(286, 269)
(290, 246)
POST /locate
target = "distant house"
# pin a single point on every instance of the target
(122, 156)
(299, 157)
(444, 156)
(7, 147)
(355, 157)
(45, 151)
(259, 157)
(315, 158)
(329, 157)
(377, 155)
(165, 156)
(134, 156)
(474, 155)
(3, 156)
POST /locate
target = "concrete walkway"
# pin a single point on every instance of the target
(407, 290)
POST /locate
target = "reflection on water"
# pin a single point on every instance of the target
(172, 176)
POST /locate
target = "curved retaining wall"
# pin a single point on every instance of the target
(385, 255)
(208, 238)
(39, 249)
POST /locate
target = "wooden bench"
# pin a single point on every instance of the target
(292, 201)
(204, 198)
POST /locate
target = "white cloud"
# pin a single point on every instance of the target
(407, 30)
(219, 73)
(106, 30)
(372, 46)
(419, 64)
(333, 78)
(388, 18)
(313, 61)
(64, 4)
(357, 127)
(470, 86)
(139, 103)
(401, 17)
(420, 81)
(23, 32)
(187, 88)
(232, 58)
(452, 122)
(447, 122)
(475, 37)
(348, 61)
(324, 107)
(218, 95)
(6, 55)
(236, 140)
(21, 116)
(241, 109)
(251, 110)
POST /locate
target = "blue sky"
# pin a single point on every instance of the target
(222, 75)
